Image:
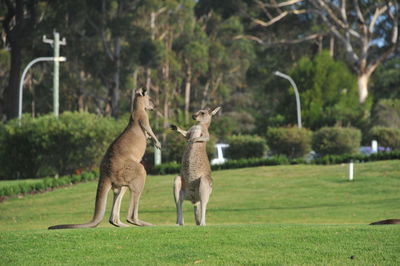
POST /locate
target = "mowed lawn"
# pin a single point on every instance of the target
(301, 214)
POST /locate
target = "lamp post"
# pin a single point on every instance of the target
(296, 92)
(21, 83)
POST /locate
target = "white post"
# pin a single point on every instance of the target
(374, 146)
(350, 171)
(56, 46)
(157, 156)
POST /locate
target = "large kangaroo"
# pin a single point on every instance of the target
(120, 168)
(195, 182)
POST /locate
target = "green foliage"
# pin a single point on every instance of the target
(166, 168)
(386, 79)
(386, 113)
(328, 93)
(245, 146)
(251, 162)
(346, 158)
(290, 141)
(223, 126)
(387, 137)
(336, 140)
(47, 146)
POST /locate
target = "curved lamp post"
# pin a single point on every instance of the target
(296, 92)
(21, 83)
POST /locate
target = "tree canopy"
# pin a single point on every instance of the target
(194, 54)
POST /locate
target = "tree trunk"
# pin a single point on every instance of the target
(363, 80)
(11, 92)
(148, 80)
(205, 95)
(187, 92)
(114, 94)
(332, 46)
(134, 86)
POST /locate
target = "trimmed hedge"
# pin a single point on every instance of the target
(46, 183)
(47, 146)
(336, 141)
(251, 162)
(165, 168)
(386, 136)
(346, 158)
(174, 168)
(245, 146)
(292, 142)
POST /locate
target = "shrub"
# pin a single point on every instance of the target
(245, 146)
(328, 92)
(386, 136)
(251, 162)
(386, 113)
(290, 141)
(48, 146)
(336, 140)
(166, 168)
(345, 158)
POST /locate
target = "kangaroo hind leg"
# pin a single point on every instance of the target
(179, 197)
(138, 178)
(205, 192)
(115, 211)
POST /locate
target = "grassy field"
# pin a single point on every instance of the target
(266, 215)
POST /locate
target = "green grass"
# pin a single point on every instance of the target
(265, 215)
(232, 245)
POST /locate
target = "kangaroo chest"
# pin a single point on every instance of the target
(195, 164)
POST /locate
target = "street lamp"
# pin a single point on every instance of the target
(21, 83)
(296, 92)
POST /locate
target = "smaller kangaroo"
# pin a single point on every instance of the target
(195, 182)
(121, 169)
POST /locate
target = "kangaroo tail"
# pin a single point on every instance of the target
(388, 221)
(100, 207)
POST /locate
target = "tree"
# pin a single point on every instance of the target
(368, 30)
(18, 24)
(328, 92)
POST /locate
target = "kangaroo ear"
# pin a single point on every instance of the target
(215, 110)
(140, 92)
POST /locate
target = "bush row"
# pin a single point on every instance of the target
(346, 158)
(174, 168)
(46, 183)
(296, 142)
(47, 146)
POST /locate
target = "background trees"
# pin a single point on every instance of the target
(194, 54)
